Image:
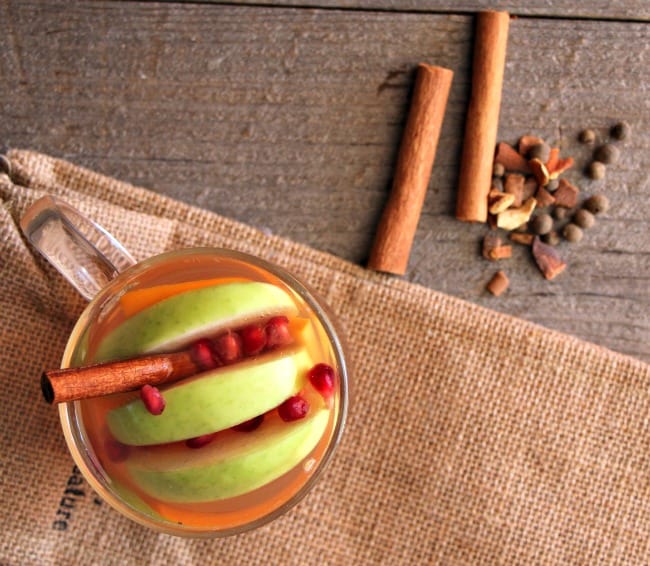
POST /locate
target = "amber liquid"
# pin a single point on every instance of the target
(161, 280)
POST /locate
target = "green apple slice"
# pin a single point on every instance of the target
(175, 322)
(230, 466)
(214, 400)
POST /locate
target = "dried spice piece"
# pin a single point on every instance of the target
(540, 172)
(498, 284)
(587, 136)
(541, 224)
(494, 248)
(544, 198)
(541, 151)
(526, 143)
(566, 194)
(498, 170)
(596, 170)
(572, 233)
(530, 188)
(496, 184)
(510, 158)
(620, 131)
(515, 217)
(552, 185)
(501, 252)
(607, 154)
(584, 218)
(553, 158)
(552, 238)
(559, 167)
(490, 241)
(547, 259)
(560, 213)
(521, 238)
(597, 204)
(514, 185)
(498, 201)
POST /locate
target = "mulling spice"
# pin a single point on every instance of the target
(497, 183)
(596, 170)
(584, 218)
(587, 136)
(541, 151)
(541, 224)
(607, 154)
(620, 131)
(572, 233)
(541, 169)
(498, 170)
(552, 185)
(552, 238)
(560, 213)
(597, 204)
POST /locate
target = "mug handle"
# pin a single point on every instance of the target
(81, 250)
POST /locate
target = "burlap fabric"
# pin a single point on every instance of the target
(474, 437)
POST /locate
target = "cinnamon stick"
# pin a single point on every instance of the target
(396, 230)
(71, 384)
(482, 116)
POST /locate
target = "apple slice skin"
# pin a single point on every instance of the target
(175, 322)
(229, 468)
(214, 400)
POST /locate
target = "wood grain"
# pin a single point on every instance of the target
(290, 119)
(628, 10)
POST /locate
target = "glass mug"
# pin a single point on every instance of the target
(237, 444)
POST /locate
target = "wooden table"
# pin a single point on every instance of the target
(288, 116)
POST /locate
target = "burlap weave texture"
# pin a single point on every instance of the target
(473, 437)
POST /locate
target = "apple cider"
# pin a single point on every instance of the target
(244, 438)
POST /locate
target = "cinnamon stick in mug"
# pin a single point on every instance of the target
(482, 116)
(72, 384)
(396, 230)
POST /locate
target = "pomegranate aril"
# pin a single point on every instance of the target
(249, 425)
(200, 441)
(322, 378)
(203, 355)
(277, 332)
(152, 399)
(293, 409)
(228, 347)
(253, 339)
(115, 450)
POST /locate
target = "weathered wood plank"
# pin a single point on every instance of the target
(629, 10)
(290, 119)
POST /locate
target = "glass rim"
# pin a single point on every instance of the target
(78, 445)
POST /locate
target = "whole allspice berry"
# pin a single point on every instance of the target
(596, 170)
(498, 170)
(541, 224)
(560, 212)
(552, 238)
(597, 204)
(572, 232)
(607, 153)
(497, 184)
(552, 185)
(584, 218)
(587, 136)
(620, 131)
(541, 151)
